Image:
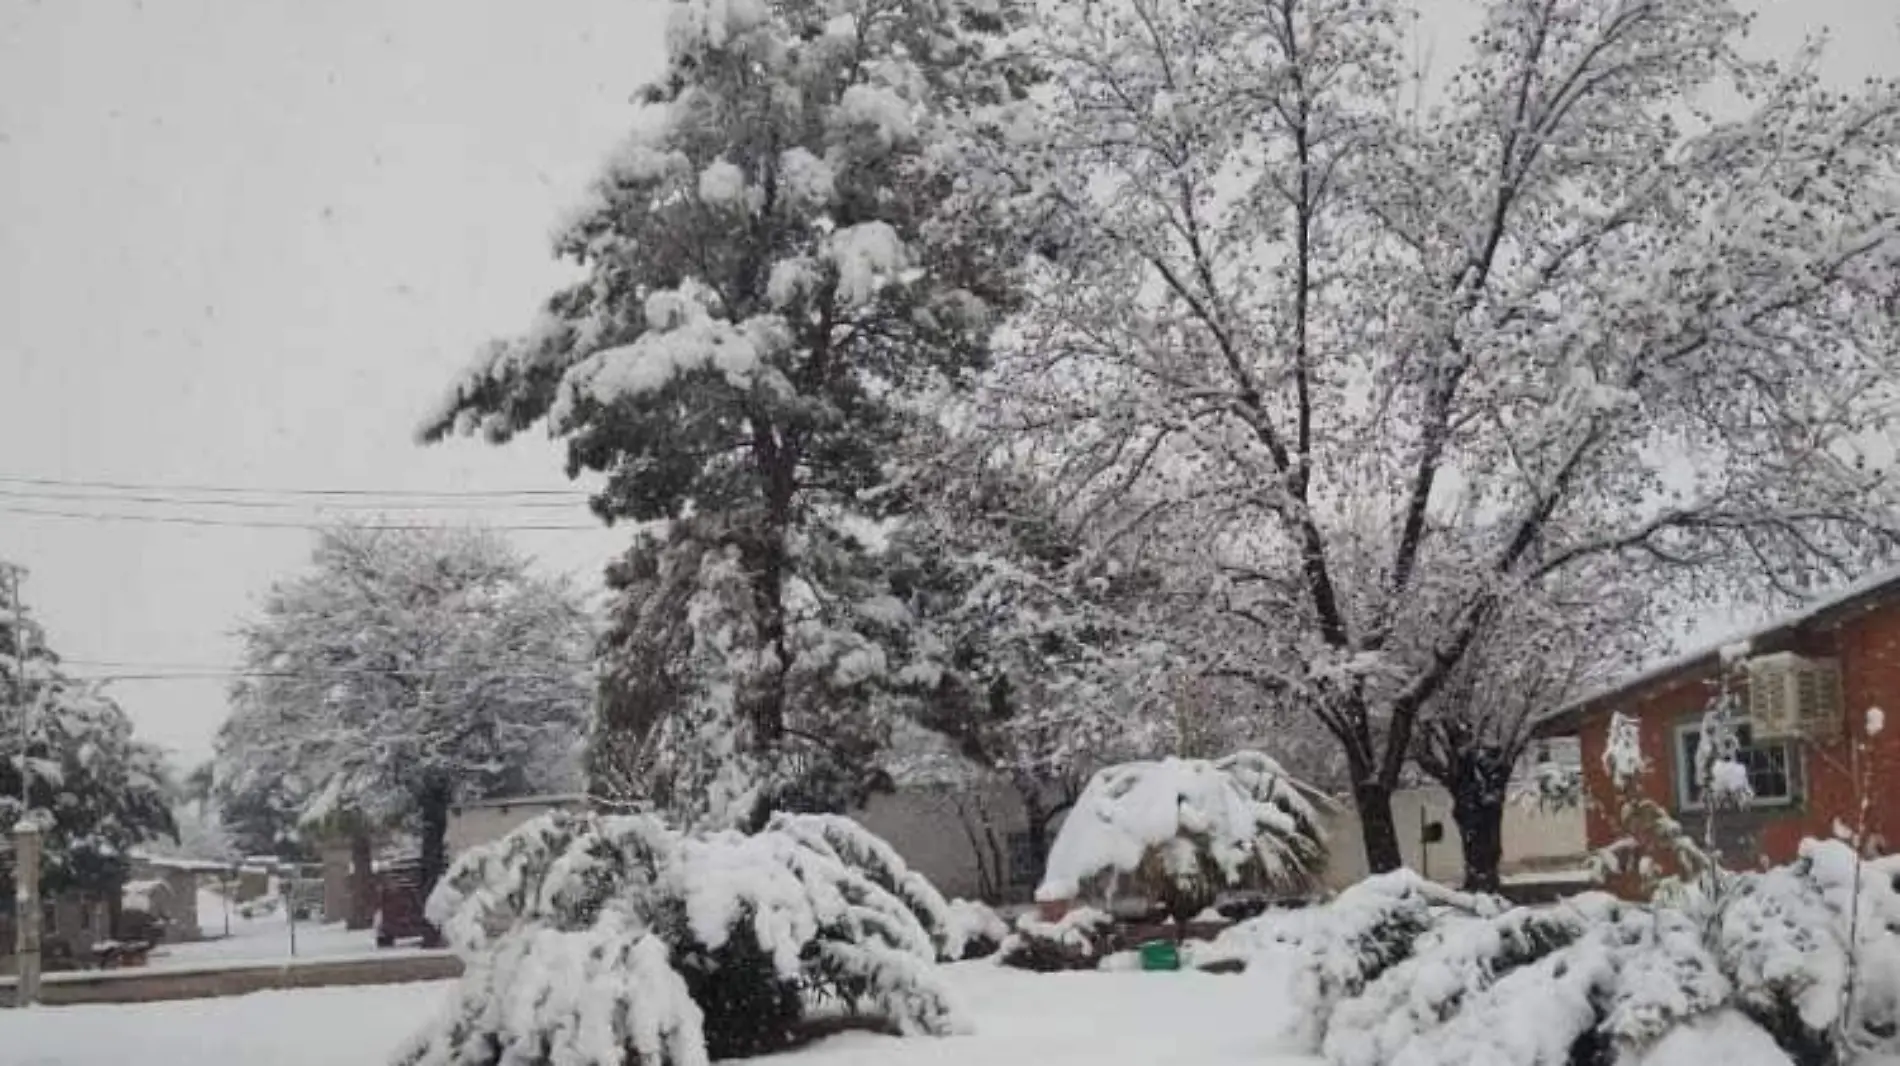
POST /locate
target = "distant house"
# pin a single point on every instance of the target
(1803, 684)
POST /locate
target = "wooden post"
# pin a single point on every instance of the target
(26, 900)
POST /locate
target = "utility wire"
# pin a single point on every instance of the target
(435, 494)
(95, 496)
(293, 675)
(193, 520)
(206, 668)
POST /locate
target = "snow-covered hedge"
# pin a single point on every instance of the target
(1396, 972)
(608, 939)
(976, 931)
(1079, 940)
(1183, 829)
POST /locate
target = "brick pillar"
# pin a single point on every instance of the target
(26, 901)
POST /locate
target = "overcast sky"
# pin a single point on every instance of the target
(248, 242)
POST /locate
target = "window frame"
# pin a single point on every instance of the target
(1685, 768)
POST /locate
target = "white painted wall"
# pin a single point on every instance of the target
(1533, 838)
(483, 823)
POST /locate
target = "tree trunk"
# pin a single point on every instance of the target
(1036, 828)
(1481, 778)
(435, 830)
(362, 913)
(1481, 833)
(1376, 826)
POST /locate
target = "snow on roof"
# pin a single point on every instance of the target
(553, 799)
(1881, 584)
(167, 862)
(138, 894)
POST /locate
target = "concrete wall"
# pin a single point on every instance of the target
(1533, 839)
(481, 823)
(932, 828)
(146, 986)
(334, 857)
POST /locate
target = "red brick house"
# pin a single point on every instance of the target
(1804, 685)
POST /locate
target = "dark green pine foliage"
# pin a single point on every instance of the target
(800, 241)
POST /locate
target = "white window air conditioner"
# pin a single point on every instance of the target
(1793, 698)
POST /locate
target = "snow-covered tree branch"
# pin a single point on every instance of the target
(1409, 357)
(405, 671)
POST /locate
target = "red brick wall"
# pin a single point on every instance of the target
(1868, 647)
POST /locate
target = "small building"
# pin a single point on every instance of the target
(167, 889)
(1802, 685)
(481, 821)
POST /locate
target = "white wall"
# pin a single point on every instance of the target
(1533, 838)
(931, 828)
(472, 825)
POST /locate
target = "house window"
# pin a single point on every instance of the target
(1771, 768)
(1025, 866)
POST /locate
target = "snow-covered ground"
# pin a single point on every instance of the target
(315, 1027)
(264, 938)
(1068, 1019)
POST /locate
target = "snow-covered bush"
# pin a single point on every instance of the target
(1328, 954)
(851, 844)
(1814, 949)
(1463, 954)
(976, 931)
(1182, 830)
(1397, 972)
(1079, 940)
(596, 939)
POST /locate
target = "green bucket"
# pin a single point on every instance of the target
(1160, 955)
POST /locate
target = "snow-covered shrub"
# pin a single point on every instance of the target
(1396, 971)
(1807, 941)
(1329, 953)
(1462, 955)
(1725, 1038)
(1665, 977)
(1533, 1016)
(595, 939)
(1182, 830)
(857, 847)
(1079, 940)
(976, 931)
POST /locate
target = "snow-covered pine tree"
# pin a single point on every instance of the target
(404, 671)
(95, 789)
(1390, 351)
(799, 235)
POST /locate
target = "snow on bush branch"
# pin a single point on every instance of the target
(1803, 957)
(1185, 829)
(600, 939)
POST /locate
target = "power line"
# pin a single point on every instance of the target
(193, 520)
(209, 668)
(430, 494)
(291, 675)
(95, 496)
